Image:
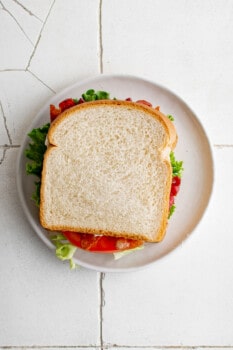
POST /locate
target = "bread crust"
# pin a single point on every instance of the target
(152, 111)
(171, 143)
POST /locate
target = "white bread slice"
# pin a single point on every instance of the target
(107, 171)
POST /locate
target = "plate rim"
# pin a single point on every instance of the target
(57, 96)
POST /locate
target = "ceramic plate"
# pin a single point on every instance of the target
(193, 148)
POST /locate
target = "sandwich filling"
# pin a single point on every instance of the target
(66, 241)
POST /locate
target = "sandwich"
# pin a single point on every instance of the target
(107, 174)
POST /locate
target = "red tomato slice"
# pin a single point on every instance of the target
(66, 104)
(176, 180)
(54, 112)
(175, 190)
(171, 201)
(103, 244)
(144, 102)
(73, 237)
(175, 187)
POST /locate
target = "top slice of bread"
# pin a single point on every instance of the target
(107, 171)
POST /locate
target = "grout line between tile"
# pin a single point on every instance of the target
(168, 347)
(27, 347)
(5, 124)
(18, 24)
(5, 148)
(28, 11)
(3, 156)
(29, 71)
(12, 70)
(161, 347)
(223, 146)
(41, 81)
(9, 146)
(109, 346)
(39, 37)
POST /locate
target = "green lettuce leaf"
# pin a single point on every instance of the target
(35, 153)
(92, 95)
(171, 117)
(177, 166)
(36, 149)
(177, 170)
(119, 255)
(64, 249)
(171, 210)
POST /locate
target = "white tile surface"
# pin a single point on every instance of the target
(4, 133)
(28, 24)
(184, 45)
(186, 298)
(15, 46)
(42, 301)
(167, 348)
(18, 106)
(69, 44)
(38, 9)
(182, 301)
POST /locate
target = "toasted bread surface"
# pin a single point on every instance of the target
(107, 171)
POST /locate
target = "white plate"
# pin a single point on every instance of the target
(193, 148)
